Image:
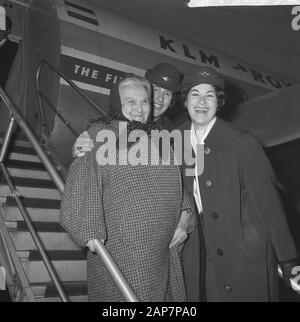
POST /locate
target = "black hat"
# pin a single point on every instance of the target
(202, 75)
(165, 75)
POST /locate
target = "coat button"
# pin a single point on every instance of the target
(228, 288)
(208, 183)
(220, 252)
(215, 216)
(207, 150)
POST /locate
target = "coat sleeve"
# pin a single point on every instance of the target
(82, 212)
(260, 182)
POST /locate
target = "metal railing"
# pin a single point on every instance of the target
(49, 104)
(17, 281)
(100, 248)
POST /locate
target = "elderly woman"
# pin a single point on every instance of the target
(137, 210)
(245, 229)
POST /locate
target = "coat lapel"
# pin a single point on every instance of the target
(220, 135)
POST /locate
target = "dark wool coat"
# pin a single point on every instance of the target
(246, 232)
(165, 123)
(135, 209)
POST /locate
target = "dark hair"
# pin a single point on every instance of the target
(221, 96)
(173, 104)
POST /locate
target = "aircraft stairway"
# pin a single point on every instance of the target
(42, 200)
(41, 261)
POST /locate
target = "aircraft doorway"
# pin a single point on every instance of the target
(7, 54)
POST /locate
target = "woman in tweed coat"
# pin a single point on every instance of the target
(138, 210)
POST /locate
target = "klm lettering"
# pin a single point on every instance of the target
(170, 45)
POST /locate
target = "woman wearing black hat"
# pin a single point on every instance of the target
(166, 81)
(245, 230)
(138, 210)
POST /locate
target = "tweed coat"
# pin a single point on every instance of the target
(135, 209)
(245, 228)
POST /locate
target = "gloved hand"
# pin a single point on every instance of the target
(181, 232)
(91, 245)
(179, 237)
(288, 272)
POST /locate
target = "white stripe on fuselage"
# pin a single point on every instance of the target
(121, 28)
(88, 87)
(101, 61)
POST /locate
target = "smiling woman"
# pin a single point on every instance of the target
(203, 95)
(135, 100)
(245, 230)
(139, 212)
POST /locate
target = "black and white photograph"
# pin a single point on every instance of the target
(149, 152)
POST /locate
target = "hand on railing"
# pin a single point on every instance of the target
(91, 245)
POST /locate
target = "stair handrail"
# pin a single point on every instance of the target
(101, 250)
(6, 260)
(40, 94)
(17, 266)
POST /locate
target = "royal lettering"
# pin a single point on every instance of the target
(240, 67)
(273, 81)
(258, 77)
(287, 84)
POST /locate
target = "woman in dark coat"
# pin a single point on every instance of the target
(245, 230)
(138, 210)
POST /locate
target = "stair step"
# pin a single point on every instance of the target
(79, 298)
(59, 255)
(18, 164)
(31, 192)
(23, 157)
(11, 224)
(25, 173)
(31, 183)
(35, 203)
(51, 241)
(17, 142)
(67, 270)
(21, 149)
(42, 200)
(36, 214)
(41, 226)
(72, 289)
